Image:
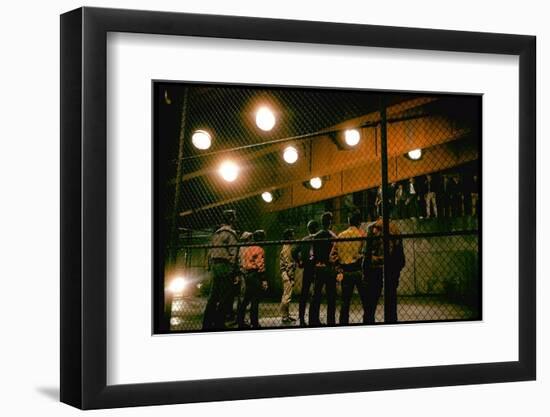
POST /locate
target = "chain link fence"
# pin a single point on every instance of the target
(355, 207)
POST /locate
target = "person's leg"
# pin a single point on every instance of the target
(285, 299)
(474, 197)
(240, 294)
(347, 292)
(307, 280)
(209, 317)
(362, 290)
(330, 288)
(234, 291)
(427, 201)
(374, 289)
(255, 300)
(392, 280)
(226, 292)
(445, 205)
(434, 203)
(245, 301)
(315, 304)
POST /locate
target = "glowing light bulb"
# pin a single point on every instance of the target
(201, 139)
(265, 119)
(229, 171)
(352, 137)
(316, 183)
(290, 154)
(267, 197)
(415, 154)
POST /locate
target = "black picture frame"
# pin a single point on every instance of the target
(84, 209)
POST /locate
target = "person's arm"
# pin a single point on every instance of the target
(231, 239)
(261, 268)
(260, 261)
(284, 264)
(334, 255)
(367, 252)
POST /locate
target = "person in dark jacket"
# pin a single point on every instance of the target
(305, 261)
(324, 273)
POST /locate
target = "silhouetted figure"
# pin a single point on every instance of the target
(395, 263)
(445, 199)
(430, 196)
(373, 264)
(412, 199)
(473, 195)
(223, 263)
(305, 261)
(457, 196)
(324, 273)
(400, 199)
(375, 275)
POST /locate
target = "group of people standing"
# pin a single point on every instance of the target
(447, 195)
(352, 259)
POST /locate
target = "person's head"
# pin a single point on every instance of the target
(392, 185)
(376, 228)
(475, 177)
(259, 236)
(246, 236)
(288, 234)
(411, 180)
(400, 187)
(326, 220)
(354, 218)
(229, 217)
(429, 177)
(312, 227)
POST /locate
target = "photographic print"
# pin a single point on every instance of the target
(291, 207)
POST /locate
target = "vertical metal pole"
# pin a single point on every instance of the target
(172, 253)
(385, 208)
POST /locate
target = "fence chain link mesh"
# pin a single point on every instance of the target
(324, 154)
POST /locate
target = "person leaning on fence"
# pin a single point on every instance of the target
(324, 273)
(223, 263)
(348, 256)
(304, 254)
(287, 263)
(255, 281)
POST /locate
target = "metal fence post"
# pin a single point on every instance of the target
(385, 208)
(172, 252)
